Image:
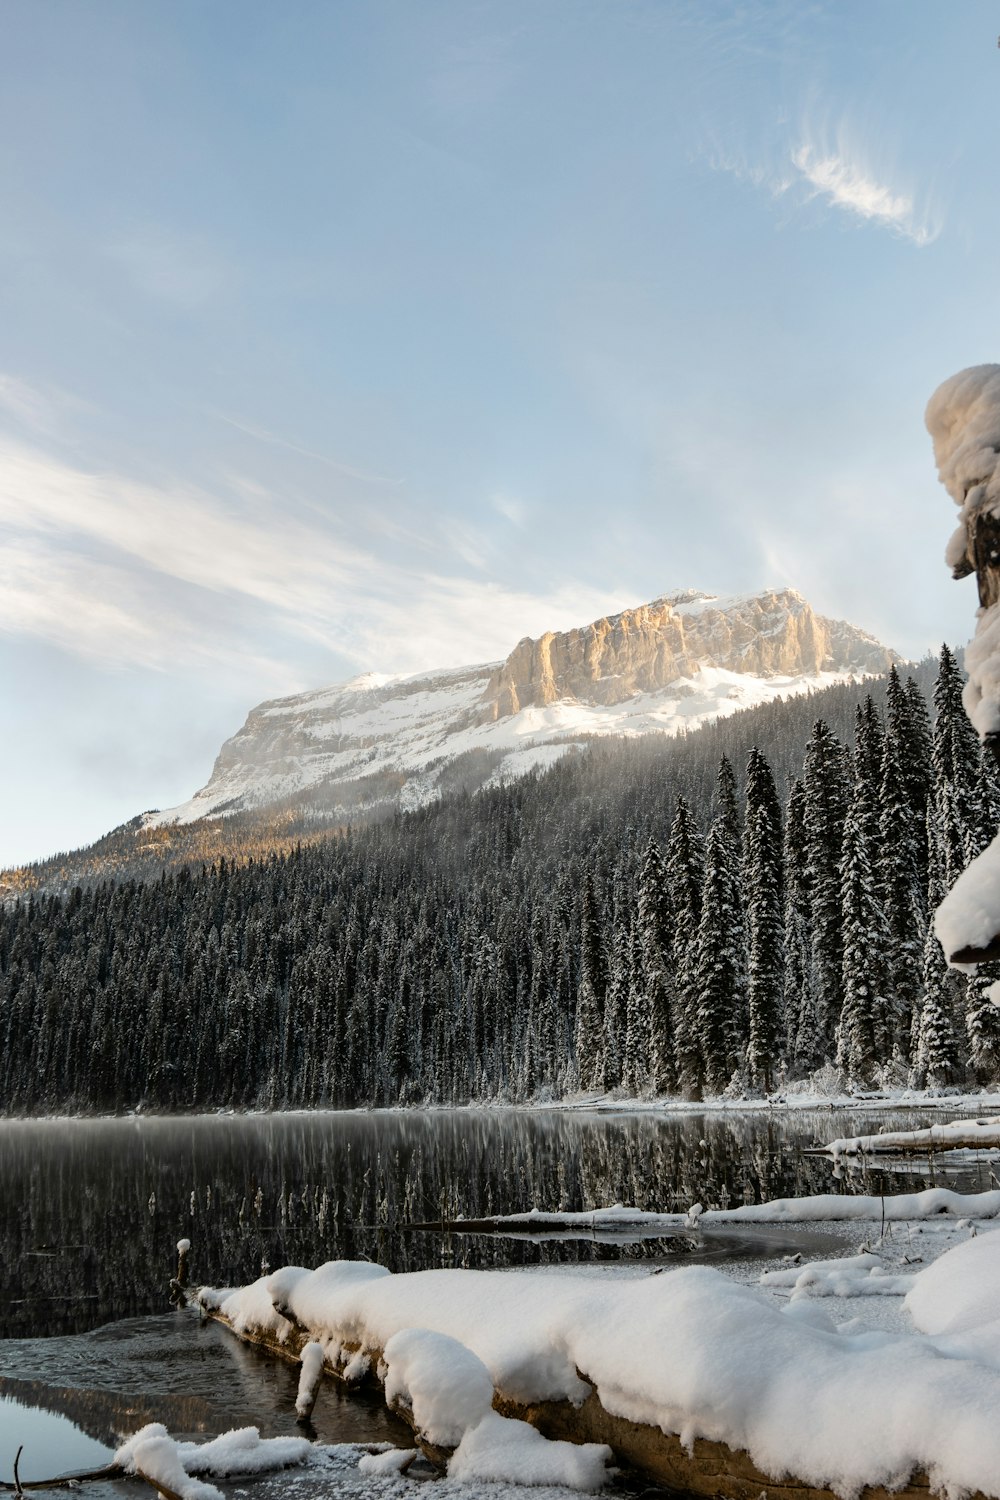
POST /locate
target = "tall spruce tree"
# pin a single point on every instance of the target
(720, 963)
(685, 877)
(655, 917)
(762, 882)
(935, 1048)
(861, 1031)
(901, 857)
(590, 994)
(803, 1043)
(824, 810)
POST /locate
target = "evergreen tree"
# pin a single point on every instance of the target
(655, 922)
(864, 973)
(762, 882)
(685, 875)
(957, 791)
(720, 963)
(824, 810)
(900, 860)
(936, 1059)
(590, 995)
(803, 1042)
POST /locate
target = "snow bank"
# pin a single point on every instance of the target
(695, 1354)
(969, 916)
(961, 1290)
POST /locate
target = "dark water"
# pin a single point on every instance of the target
(90, 1213)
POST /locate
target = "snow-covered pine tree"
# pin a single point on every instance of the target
(636, 1049)
(619, 980)
(918, 770)
(720, 962)
(935, 1050)
(957, 790)
(863, 965)
(802, 1040)
(730, 819)
(655, 932)
(685, 876)
(590, 993)
(763, 881)
(825, 787)
(901, 854)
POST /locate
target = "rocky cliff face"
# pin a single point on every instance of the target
(379, 742)
(647, 649)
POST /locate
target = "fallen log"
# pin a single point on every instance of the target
(705, 1468)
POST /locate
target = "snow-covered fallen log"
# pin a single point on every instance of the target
(821, 1207)
(698, 1380)
(956, 1135)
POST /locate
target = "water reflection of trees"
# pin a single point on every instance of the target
(91, 1210)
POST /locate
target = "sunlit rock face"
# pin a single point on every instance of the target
(646, 649)
(379, 743)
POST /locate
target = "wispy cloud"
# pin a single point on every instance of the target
(176, 578)
(849, 185)
(832, 165)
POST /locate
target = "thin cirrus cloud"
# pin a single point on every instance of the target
(175, 578)
(831, 167)
(846, 184)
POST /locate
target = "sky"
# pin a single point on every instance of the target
(362, 335)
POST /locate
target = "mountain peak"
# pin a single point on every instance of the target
(380, 742)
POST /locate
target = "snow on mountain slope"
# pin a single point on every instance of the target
(394, 741)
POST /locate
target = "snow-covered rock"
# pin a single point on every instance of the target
(382, 741)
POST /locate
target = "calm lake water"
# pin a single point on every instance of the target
(91, 1210)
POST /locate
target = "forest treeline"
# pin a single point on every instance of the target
(727, 912)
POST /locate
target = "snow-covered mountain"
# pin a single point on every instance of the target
(667, 666)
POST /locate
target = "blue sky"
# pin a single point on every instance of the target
(347, 336)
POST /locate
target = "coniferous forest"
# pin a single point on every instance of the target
(727, 912)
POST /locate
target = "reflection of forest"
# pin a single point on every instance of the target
(91, 1210)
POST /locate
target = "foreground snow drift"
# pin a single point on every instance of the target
(689, 1352)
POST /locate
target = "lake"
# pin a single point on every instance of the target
(91, 1210)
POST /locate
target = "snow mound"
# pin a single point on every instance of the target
(445, 1385)
(503, 1450)
(961, 1290)
(241, 1452)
